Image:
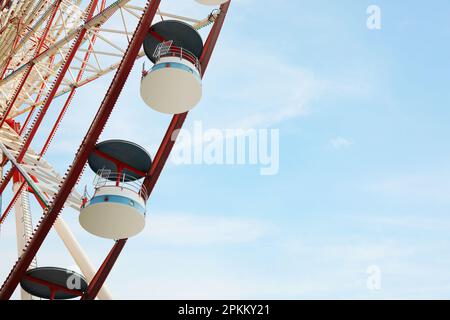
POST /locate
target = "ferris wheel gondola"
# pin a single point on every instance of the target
(51, 49)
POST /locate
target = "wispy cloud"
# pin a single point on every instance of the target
(415, 187)
(268, 91)
(340, 143)
(423, 222)
(349, 252)
(189, 229)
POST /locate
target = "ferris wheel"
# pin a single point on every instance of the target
(51, 48)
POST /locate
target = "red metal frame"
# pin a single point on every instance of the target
(30, 67)
(99, 279)
(11, 203)
(73, 91)
(101, 275)
(86, 148)
(119, 164)
(88, 145)
(178, 119)
(16, 41)
(167, 143)
(49, 99)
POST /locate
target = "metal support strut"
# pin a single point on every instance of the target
(167, 143)
(88, 145)
(86, 148)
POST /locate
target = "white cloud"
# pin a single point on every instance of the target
(349, 252)
(189, 229)
(340, 143)
(256, 86)
(264, 90)
(217, 284)
(178, 286)
(406, 222)
(435, 187)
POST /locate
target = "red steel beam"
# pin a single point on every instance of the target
(30, 67)
(49, 99)
(97, 282)
(166, 146)
(16, 94)
(73, 91)
(30, 114)
(119, 163)
(16, 41)
(43, 53)
(177, 121)
(87, 146)
(38, 97)
(13, 200)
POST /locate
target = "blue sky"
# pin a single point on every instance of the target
(364, 161)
